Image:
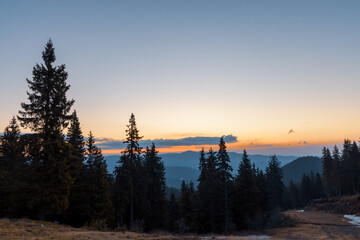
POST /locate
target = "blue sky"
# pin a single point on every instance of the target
(253, 69)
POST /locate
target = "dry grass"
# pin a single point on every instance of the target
(38, 230)
(308, 225)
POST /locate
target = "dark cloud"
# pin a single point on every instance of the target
(291, 131)
(302, 142)
(106, 143)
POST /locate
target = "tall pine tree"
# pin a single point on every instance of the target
(47, 114)
(207, 192)
(100, 206)
(156, 186)
(130, 179)
(275, 186)
(247, 199)
(224, 173)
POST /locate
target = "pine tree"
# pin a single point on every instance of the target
(202, 166)
(246, 203)
(207, 191)
(76, 140)
(47, 115)
(337, 170)
(11, 169)
(224, 174)
(130, 178)
(293, 192)
(187, 207)
(47, 112)
(275, 186)
(261, 184)
(347, 162)
(99, 199)
(327, 171)
(156, 185)
(305, 189)
(172, 213)
(354, 171)
(74, 215)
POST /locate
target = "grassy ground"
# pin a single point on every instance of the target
(308, 225)
(37, 230)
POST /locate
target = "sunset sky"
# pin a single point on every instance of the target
(273, 76)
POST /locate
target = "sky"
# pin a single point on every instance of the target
(278, 77)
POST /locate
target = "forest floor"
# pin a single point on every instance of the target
(308, 225)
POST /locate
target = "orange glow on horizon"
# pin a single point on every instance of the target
(230, 146)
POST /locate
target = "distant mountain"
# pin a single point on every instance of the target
(295, 169)
(184, 166)
(175, 175)
(191, 159)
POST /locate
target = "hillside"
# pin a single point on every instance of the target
(295, 169)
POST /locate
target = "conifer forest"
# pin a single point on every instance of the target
(58, 173)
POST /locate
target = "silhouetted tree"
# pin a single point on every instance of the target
(130, 177)
(156, 186)
(327, 163)
(99, 201)
(275, 186)
(11, 169)
(187, 203)
(172, 213)
(246, 201)
(208, 192)
(224, 175)
(47, 115)
(337, 170)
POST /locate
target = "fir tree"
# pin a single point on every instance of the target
(187, 207)
(130, 178)
(275, 186)
(11, 169)
(224, 170)
(327, 170)
(246, 203)
(337, 169)
(47, 112)
(76, 140)
(47, 115)
(156, 185)
(172, 213)
(74, 215)
(348, 167)
(207, 192)
(99, 199)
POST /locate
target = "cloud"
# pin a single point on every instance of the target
(256, 145)
(302, 142)
(106, 143)
(291, 131)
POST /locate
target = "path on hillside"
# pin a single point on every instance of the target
(317, 225)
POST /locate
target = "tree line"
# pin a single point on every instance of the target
(340, 176)
(51, 175)
(54, 173)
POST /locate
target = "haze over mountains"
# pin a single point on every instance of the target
(184, 166)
